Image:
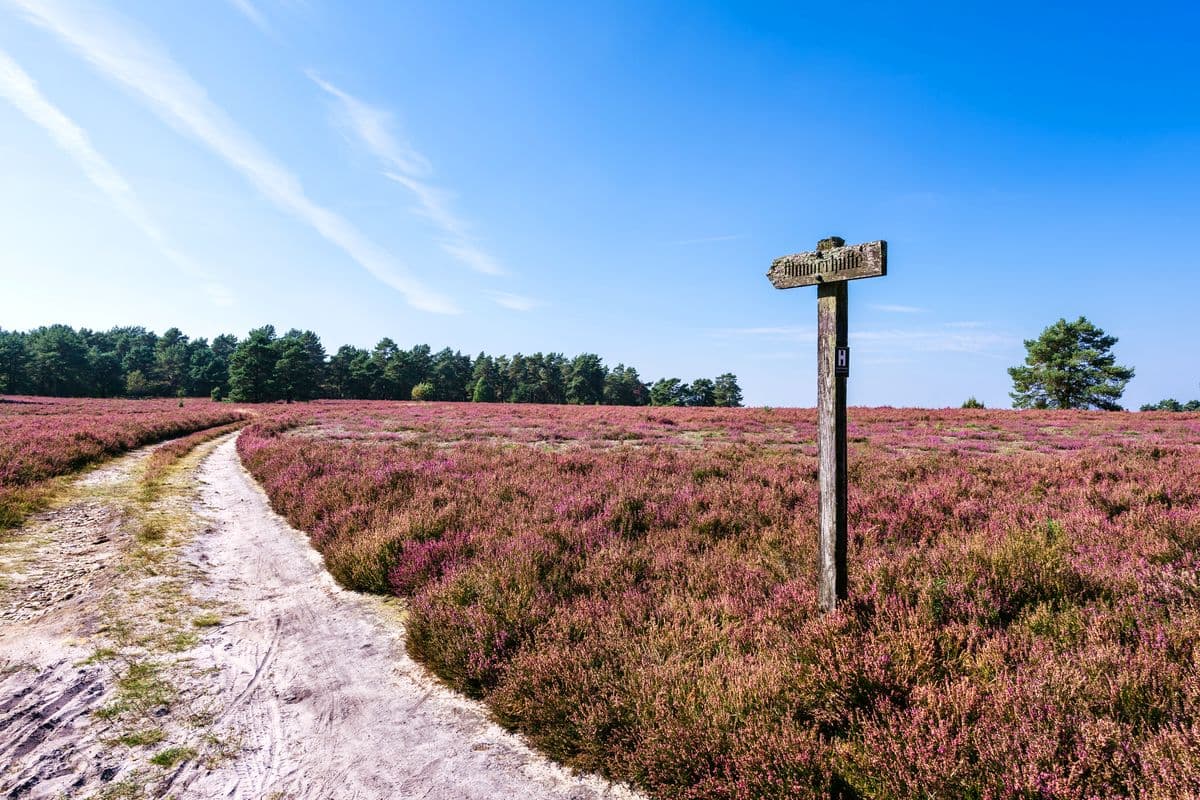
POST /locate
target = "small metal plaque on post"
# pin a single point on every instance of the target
(841, 364)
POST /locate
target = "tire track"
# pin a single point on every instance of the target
(56, 571)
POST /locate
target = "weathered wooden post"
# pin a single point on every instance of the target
(829, 267)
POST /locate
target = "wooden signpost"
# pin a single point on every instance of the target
(828, 268)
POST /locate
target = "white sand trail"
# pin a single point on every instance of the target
(314, 686)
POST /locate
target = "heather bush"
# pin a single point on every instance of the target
(633, 589)
(161, 460)
(43, 438)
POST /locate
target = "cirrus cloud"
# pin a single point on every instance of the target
(147, 70)
(22, 91)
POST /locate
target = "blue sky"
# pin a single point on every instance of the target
(613, 178)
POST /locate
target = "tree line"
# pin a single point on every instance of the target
(58, 360)
(1171, 404)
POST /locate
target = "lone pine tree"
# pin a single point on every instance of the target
(1070, 365)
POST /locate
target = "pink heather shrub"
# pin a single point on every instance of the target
(633, 589)
(45, 437)
(164, 457)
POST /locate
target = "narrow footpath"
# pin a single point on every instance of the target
(273, 682)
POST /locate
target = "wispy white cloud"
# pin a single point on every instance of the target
(22, 91)
(897, 309)
(374, 127)
(150, 73)
(473, 257)
(433, 203)
(251, 12)
(404, 164)
(708, 239)
(514, 302)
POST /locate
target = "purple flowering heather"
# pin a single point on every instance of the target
(632, 588)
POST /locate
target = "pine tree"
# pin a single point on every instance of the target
(726, 392)
(585, 380)
(667, 392)
(14, 359)
(295, 374)
(252, 367)
(58, 362)
(483, 380)
(172, 358)
(450, 375)
(702, 392)
(1070, 365)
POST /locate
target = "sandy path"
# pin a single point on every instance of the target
(314, 684)
(54, 578)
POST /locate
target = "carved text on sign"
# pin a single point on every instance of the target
(804, 267)
(867, 260)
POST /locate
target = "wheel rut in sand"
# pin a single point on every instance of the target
(55, 573)
(322, 698)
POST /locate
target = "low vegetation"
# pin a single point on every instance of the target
(163, 458)
(634, 589)
(43, 438)
(172, 756)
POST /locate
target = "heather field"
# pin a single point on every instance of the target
(633, 588)
(42, 438)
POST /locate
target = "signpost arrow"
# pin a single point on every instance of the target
(832, 261)
(829, 268)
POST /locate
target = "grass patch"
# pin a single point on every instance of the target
(157, 524)
(19, 502)
(181, 642)
(152, 530)
(164, 461)
(218, 750)
(101, 655)
(172, 756)
(208, 620)
(140, 690)
(141, 738)
(122, 790)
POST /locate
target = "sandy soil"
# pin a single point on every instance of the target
(54, 576)
(318, 688)
(289, 687)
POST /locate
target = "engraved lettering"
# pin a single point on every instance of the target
(867, 260)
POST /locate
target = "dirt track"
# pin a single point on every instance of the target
(53, 578)
(300, 690)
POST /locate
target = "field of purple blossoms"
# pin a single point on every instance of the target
(634, 588)
(42, 438)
